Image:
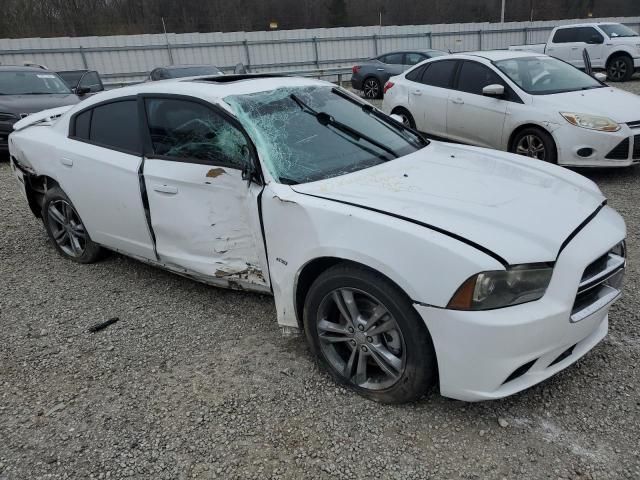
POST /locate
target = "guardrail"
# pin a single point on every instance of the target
(317, 55)
(340, 74)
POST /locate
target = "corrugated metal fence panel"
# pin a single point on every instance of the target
(128, 58)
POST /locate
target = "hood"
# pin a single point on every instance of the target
(618, 105)
(521, 210)
(19, 104)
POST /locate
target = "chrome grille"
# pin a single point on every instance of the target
(635, 124)
(600, 283)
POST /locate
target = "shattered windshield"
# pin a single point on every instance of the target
(306, 134)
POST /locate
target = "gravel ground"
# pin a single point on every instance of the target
(196, 382)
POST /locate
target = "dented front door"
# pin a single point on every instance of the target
(203, 215)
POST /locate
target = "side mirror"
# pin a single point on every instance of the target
(494, 90)
(595, 40)
(601, 77)
(80, 91)
(397, 118)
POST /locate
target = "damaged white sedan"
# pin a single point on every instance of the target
(406, 262)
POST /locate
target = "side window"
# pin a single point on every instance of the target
(413, 58)
(115, 125)
(475, 76)
(82, 125)
(440, 74)
(416, 74)
(566, 35)
(590, 35)
(188, 130)
(393, 59)
(92, 81)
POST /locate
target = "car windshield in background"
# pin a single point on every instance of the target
(546, 75)
(617, 31)
(312, 133)
(192, 71)
(31, 83)
(71, 78)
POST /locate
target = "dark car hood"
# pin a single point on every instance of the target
(19, 104)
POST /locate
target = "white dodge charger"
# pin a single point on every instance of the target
(525, 103)
(404, 261)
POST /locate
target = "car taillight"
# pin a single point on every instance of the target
(356, 69)
(387, 86)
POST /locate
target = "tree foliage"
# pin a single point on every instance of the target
(46, 18)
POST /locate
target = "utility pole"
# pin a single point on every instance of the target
(502, 12)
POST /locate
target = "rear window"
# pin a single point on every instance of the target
(393, 59)
(115, 125)
(440, 74)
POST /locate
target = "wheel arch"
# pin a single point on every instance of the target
(36, 187)
(524, 126)
(313, 269)
(618, 53)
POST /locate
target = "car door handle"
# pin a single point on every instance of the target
(67, 162)
(457, 101)
(169, 189)
(380, 69)
(574, 48)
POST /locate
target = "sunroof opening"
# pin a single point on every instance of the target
(237, 78)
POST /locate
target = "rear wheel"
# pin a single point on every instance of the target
(372, 88)
(620, 69)
(407, 118)
(535, 143)
(66, 230)
(365, 332)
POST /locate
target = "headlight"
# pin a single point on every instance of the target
(502, 288)
(592, 122)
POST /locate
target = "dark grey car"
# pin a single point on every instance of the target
(370, 76)
(82, 82)
(180, 71)
(26, 90)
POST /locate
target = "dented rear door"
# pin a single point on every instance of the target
(203, 215)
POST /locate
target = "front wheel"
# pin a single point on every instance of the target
(620, 69)
(535, 143)
(365, 332)
(66, 230)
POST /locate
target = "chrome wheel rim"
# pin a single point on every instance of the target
(66, 228)
(531, 146)
(371, 88)
(360, 339)
(618, 70)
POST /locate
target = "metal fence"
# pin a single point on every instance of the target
(313, 52)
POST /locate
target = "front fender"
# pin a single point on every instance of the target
(427, 265)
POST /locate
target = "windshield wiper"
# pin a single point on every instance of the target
(386, 120)
(327, 120)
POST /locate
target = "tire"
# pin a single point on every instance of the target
(371, 88)
(407, 118)
(66, 230)
(397, 334)
(535, 143)
(620, 69)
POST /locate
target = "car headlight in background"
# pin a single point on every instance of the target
(502, 288)
(592, 122)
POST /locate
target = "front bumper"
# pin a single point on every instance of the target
(493, 354)
(608, 149)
